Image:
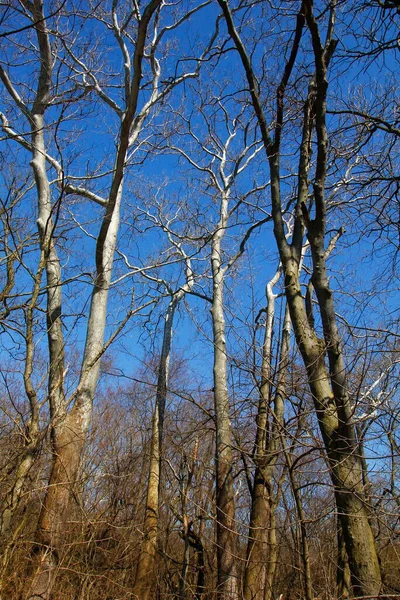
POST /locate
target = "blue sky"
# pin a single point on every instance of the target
(362, 276)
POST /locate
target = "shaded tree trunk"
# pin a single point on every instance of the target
(10, 532)
(304, 548)
(343, 571)
(273, 551)
(32, 434)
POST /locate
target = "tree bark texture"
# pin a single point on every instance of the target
(343, 572)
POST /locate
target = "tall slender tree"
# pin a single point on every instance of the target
(145, 573)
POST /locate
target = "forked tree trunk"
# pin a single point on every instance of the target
(334, 418)
(69, 427)
(266, 449)
(328, 387)
(44, 554)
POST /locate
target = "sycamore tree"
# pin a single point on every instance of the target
(220, 146)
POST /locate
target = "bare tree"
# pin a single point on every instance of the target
(259, 571)
(239, 464)
(328, 387)
(144, 581)
(223, 164)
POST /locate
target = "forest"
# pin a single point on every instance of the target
(199, 299)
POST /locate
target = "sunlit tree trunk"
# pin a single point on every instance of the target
(265, 457)
(328, 387)
(226, 528)
(69, 427)
(145, 574)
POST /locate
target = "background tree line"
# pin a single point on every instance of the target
(199, 328)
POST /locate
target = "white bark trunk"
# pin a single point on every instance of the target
(226, 534)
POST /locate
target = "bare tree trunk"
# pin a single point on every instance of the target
(305, 553)
(70, 418)
(340, 443)
(44, 551)
(328, 388)
(145, 575)
(226, 529)
(223, 173)
(336, 427)
(189, 537)
(280, 393)
(265, 455)
(273, 550)
(67, 445)
(200, 565)
(69, 429)
(12, 498)
(185, 563)
(343, 572)
(144, 579)
(9, 534)
(32, 434)
(257, 553)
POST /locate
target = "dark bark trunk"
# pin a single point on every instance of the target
(304, 548)
(343, 571)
